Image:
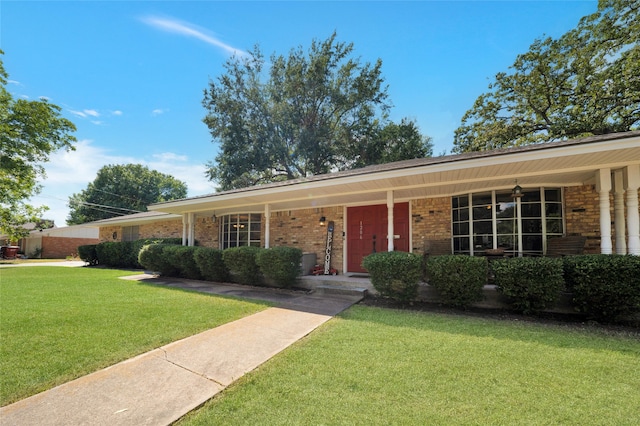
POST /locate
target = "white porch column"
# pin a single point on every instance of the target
(519, 224)
(191, 232)
(185, 219)
(618, 212)
(267, 227)
(603, 186)
(390, 229)
(633, 216)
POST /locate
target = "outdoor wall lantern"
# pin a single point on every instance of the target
(114, 235)
(516, 192)
(214, 218)
(323, 221)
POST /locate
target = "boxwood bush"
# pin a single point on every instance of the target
(153, 258)
(459, 279)
(211, 264)
(395, 274)
(88, 254)
(281, 265)
(605, 287)
(115, 254)
(532, 284)
(241, 263)
(181, 258)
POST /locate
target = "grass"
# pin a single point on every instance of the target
(57, 324)
(381, 366)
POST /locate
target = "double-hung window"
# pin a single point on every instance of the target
(238, 230)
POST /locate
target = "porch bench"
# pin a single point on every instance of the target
(566, 246)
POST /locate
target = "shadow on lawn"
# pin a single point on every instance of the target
(504, 325)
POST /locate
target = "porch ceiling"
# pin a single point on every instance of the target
(551, 165)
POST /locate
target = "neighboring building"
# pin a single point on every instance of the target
(57, 243)
(585, 187)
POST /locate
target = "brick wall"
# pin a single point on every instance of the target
(164, 229)
(61, 247)
(582, 215)
(206, 232)
(301, 229)
(431, 220)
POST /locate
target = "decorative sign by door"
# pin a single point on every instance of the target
(328, 248)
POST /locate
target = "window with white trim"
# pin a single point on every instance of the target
(490, 220)
(240, 230)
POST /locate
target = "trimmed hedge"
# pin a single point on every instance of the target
(605, 287)
(153, 258)
(459, 279)
(533, 284)
(88, 254)
(124, 254)
(241, 263)
(181, 258)
(395, 274)
(281, 265)
(211, 264)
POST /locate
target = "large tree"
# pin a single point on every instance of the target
(308, 114)
(123, 189)
(29, 132)
(587, 82)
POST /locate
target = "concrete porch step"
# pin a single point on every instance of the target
(339, 290)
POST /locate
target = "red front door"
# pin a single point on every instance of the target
(367, 232)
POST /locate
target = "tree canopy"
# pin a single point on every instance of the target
(587, 82)
(123, 189)
(309, 113)
(29, 132)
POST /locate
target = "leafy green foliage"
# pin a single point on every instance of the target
(211, 264)
(123, 189)
(30, 131)
(182, 259)
(605, 287)
(114, 254)
(458, 279)
(532, 283)
(316, 112)
(280, 265)
(152, 257)
(89, 254)
(587, 82)
(241, 262)
(394, 274)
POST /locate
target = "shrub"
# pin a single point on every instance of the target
(88, 254)
(605, 287)
(459, 279)
(115, 254)
(280, 264)
(137, 245)
(211, 264)
(532, 284)
(181, 258)
(153, 258)
(241, 262)
(395, 274)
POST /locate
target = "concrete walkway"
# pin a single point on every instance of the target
(160, 386)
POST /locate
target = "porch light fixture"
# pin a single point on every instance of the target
(214, 218)
(323, 221)
(516, 192)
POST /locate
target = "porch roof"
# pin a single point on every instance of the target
(564, 163)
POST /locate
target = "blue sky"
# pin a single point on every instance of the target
(131, 74)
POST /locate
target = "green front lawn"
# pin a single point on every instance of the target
(57, 324)
(380, 366)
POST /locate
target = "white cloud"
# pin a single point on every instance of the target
(190, 30)
(116, 112)
(16, 82)
(158, 111)
(69, 173)
(92, 112)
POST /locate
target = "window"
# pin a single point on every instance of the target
(240, 230)
(130, 233)
(491, 220)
